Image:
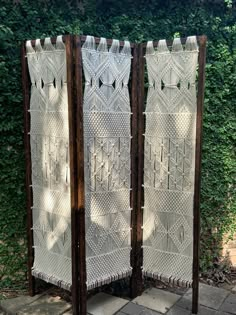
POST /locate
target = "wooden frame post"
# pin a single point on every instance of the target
(81, 259)
(28, 179)
(140, 196)
(73, 173)
(136, 278)
(196, 210)
(137, 103)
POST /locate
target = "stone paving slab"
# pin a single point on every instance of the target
(105, 304)
(132, 309)
(206, 311)
(186, 304)
(11, 306)
(157, 300)
(229, 304)
(176, 310)
(70, 312)
(209, 296)
(135, 309)
(46, 305)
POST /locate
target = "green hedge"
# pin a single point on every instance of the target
(136, 21)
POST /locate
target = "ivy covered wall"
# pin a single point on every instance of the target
(137, 21)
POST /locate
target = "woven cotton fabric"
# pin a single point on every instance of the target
(107, 139)
(169, 161)
(49, 141)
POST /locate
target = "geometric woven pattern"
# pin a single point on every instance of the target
(171, 126)
(107, 160)
(49, 140)
(106, 124)
(169, 160)
(169, 163)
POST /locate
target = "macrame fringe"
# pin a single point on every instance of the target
(190, 45)
(115, 48)
(51, 279)
(171, 280)
(67, 286)
(47, 46)
(111, 278)
(102, 281)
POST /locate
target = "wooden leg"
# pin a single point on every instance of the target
(197, 184)
(137, 99)
(26, 103)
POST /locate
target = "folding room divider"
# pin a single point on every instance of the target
(113, 186)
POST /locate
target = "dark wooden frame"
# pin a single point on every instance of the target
(75, 138)
(79, 287)
(28, 179)
(136, 278)
(75, 108)
(197, 185)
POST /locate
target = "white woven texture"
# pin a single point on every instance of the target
(107, 160)
(49, 140)
(169, 160)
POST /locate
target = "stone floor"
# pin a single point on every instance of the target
(213, 301)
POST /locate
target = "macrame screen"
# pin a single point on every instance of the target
(107, 138)
(49, 141)
(53, 144)
(169, 161)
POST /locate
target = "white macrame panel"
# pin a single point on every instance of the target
(49, 140)
(169, 160)
(107, 139)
